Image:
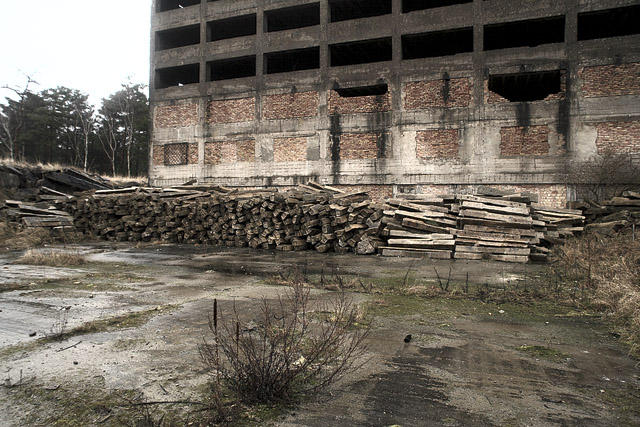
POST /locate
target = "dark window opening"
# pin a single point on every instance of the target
(164, 5)
(178, 37)
(176, 154)
(363, 52)
(292, 60)
(439, 43)
(530, 33)
(623, 21)
(344, 10)
(233, 68)
(288, 18)
(526, 87)
(353, 92)
(413, 5)
(177, 76)
(238, 26)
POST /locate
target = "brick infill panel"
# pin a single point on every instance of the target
(176, 116)
(358, 104)
(454, 93)
(438, 143)
(618, 137)
(610, 80)
(231, 111)
(524, 141)
(290, 149)
(290, 105)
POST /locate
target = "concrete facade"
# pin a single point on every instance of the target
(392, 96)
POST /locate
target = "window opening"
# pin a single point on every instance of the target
(530, 33)
(164, 5)
(178, 37)
(413, 5)
(352, 92)
(238, 26)
(177, 76)
(292, 60)
(439, 43)
(362, 52)
(289, 18)
(176, 154)
(233, 68)
(344, 10)
(623, 21)
(526, 87)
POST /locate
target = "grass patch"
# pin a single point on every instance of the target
(52, 258)
(543, 352)
(604, 272)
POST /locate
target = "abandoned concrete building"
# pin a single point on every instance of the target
(392, 96)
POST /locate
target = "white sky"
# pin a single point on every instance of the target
(90, 45)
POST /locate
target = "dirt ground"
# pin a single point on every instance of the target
(140, 313)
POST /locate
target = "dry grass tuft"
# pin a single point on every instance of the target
(14, 237)
(607, 271)
(51, 258)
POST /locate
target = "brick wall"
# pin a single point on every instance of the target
(524, 141)
(611, 80)
(176, 116)
(290, 149)
(192, 154)
(231, 111)
(438, 143)
(438, 94)
(158, 155)
(229, 152)
(358, 104)
(618, 137)
(290, 105)
(355, 146)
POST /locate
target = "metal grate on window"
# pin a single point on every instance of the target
(176, 154)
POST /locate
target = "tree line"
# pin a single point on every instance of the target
(61, 126)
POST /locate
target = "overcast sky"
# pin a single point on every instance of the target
(90, 45)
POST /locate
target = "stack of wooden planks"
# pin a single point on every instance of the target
(419, 225)
(492, 225)
(306, 217)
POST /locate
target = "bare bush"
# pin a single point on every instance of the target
(294, 349)
(605, 176)
(606, 271)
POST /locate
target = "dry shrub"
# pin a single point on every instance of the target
(292, 350)
(52, 258)
(607, 270)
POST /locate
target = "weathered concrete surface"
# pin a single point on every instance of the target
(462, 366)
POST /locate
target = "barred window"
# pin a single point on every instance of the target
(176, 154)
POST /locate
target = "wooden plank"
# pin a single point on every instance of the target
(436, 218)
(422, 243)
(54, 221)
(505, 237)
(496, 226)
(477, 242)
(421, 225)
(413, 253)
(468, 255)
(490, 250)
(524, 211)
(538, 207)
(510, 219)
(411, 235)
(489, 201)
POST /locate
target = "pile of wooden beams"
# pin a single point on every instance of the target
(502, 227)
(37, 215)
(306, 217)
(612, 215)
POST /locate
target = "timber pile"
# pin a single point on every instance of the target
(613, 215)
(491, 225)
(306, 217)
(37, 215)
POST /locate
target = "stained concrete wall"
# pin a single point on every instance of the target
(438, 127)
